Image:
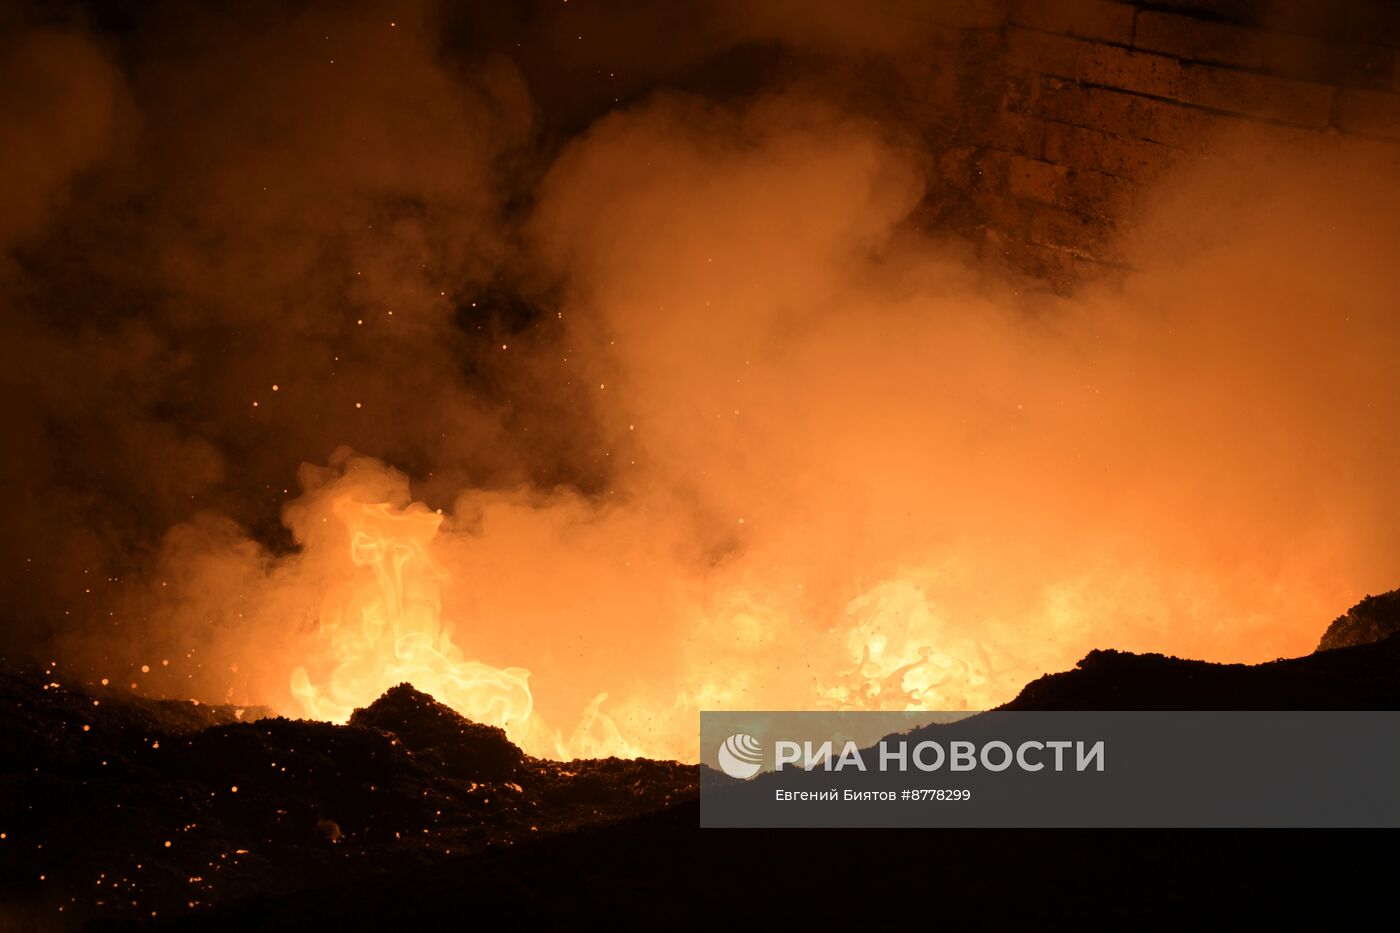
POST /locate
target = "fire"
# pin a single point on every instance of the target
(382, 580)
(780, 451)
(908, 658)
(383, 625)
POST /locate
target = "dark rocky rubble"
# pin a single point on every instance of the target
(119, 809)
(411, 816)
(1372, 619)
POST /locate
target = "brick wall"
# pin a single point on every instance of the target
(1051, 116)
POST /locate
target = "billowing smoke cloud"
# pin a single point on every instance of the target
(61, 102)
(698, 418)
(916, 478)
(287, 245)
(62, 99)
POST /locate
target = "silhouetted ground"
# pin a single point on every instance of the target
(1372, 619)
(412, 816)
(1365, 676)
(118, 809)
(661, 870)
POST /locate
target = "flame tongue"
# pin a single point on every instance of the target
(384, 627)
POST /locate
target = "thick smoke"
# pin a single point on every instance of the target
(278, 255)
(709, 422)
(890, 457)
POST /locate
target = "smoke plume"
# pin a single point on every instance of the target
(670, 398)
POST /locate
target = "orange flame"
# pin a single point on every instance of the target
(384, 626)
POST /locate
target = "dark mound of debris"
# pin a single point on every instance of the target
(116, 810)
(437, 733)
(119, 813)
(1363, 676)
(640, 868)
(1372, 619)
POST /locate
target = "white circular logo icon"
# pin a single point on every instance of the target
(740, 756)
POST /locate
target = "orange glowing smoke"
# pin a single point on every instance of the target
(846, 473)
(836, 466)
(380, 623)
(387, 628)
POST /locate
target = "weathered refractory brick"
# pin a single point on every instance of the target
(1110, 66)
(1093, 62)
(1016, 132)
(1035, 180)
(1291, 55)
(1066, 229)
(1119, 113)
(1198, 39)
(1064, 111)
(1270, 98)
(1081, 190)
(1096, 193)
(1051, 263)
(1079, 147)
(1160, 121)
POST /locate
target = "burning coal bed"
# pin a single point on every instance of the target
(119, 808)
(124, 812)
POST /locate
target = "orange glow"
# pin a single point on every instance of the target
(796, 453)
(380, 623)
(386, 628)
